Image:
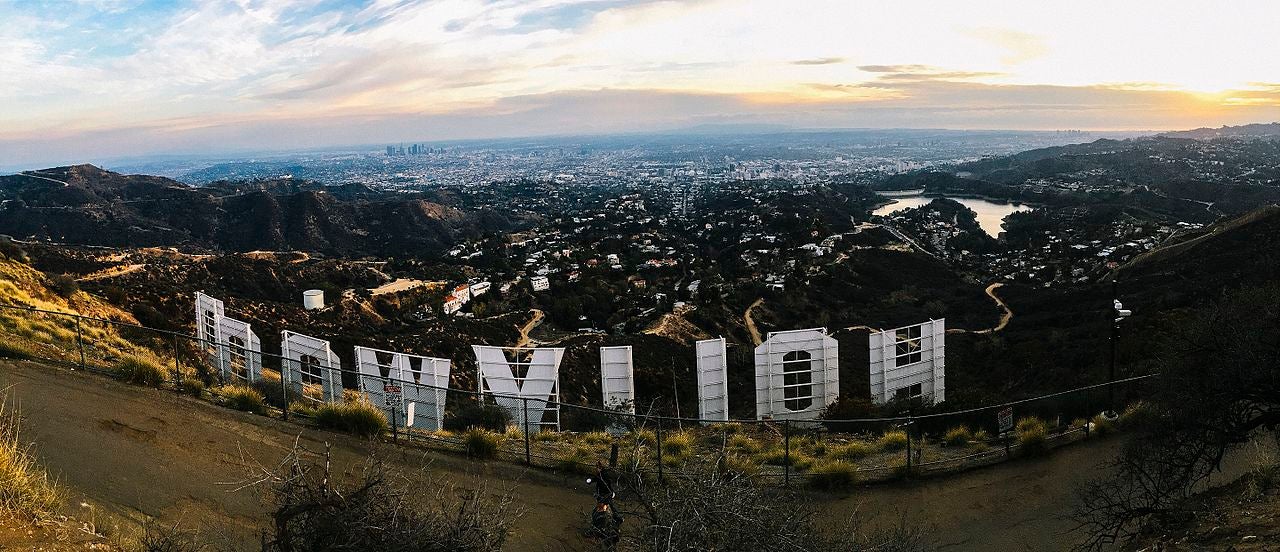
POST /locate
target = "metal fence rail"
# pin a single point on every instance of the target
(81, 341)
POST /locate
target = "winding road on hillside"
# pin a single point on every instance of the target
(133, 453)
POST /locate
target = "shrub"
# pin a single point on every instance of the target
(958, 436)
(743, 443)
(274, 394)
(725, 427)
(1103, 426)
(478, 415)
(1032, 435)
(645, 437)
(302, 408)
(733, 465)
(193, 386)
(847, 408)
(15, 350)
(1138, 415)
(480, 443)
(892, 441)
(597, 438)
(546, 436)
(854, 450)
(360, 418)
(578, 459)
(981, 436)
(677, 444)
(25, 489)
(778, 457)
(63, 285)
(141, 370)
(314, 508)
(243, 398)
(833, 475)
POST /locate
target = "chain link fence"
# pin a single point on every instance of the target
(570, 437)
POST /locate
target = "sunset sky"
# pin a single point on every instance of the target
(103, 78)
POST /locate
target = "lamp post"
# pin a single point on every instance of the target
(1119, 313)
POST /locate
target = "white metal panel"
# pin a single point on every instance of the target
(538, 389)
(208, 311)
(891, 371)
(797, 374)
(310, 365)
(422, 380)
(617, 378)
(239, 351)
(713, 380)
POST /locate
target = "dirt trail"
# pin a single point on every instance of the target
(135, 452)
(525, 340)
(756, 339)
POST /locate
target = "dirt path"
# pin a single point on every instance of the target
(534, 322)
(133, 452)
(112, 272)
(1006, 313)
(756, 339)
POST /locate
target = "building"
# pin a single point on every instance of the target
(452, 304)
(463, 293)
(479, 289)
(540, 283)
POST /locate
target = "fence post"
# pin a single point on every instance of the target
(177, 367)
(786, 453)
(909, 424)
(1088, 411)
(80, 342)
(659, 439)
(528, 458)
(284, 388)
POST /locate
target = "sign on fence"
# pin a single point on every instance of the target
(392, 395)
(1006, 418)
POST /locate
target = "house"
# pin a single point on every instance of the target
(540, 283)
(463, 293)
(452, 304)
(479, 289)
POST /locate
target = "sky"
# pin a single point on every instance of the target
(88, 79)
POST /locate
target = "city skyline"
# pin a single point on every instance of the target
(110, 78)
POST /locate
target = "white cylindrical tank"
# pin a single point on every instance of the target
(313, 299)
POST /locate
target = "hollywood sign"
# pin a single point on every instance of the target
(796, 372)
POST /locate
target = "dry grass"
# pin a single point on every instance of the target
(26, 491)
(360, 418)
(833, 475)
(958, 436)
(892, 441)
(480, 443)
(1032, 435)
(242, 397)
(141, 369)
(854, 450)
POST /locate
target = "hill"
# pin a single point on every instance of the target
(86, 205)
(1254, 130)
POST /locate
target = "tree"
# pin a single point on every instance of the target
(1219, 384)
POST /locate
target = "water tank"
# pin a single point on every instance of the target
(313, 299)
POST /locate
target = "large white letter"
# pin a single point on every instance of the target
(713, 380)
(797, 374)
(537, 388)
(909, 362)
(310, 364)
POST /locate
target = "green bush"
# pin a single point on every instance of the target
(140, 370)
(892, 441)
(853, 450)
(480, 443)
(958, 436)
(477, 415)
(1032, 435)
(360, 418)
(833, 475)
(243, 398)
(275, 394)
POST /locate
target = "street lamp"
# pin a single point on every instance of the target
(1119, 314)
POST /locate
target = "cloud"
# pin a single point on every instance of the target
(1019, 46)
(819, 61)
